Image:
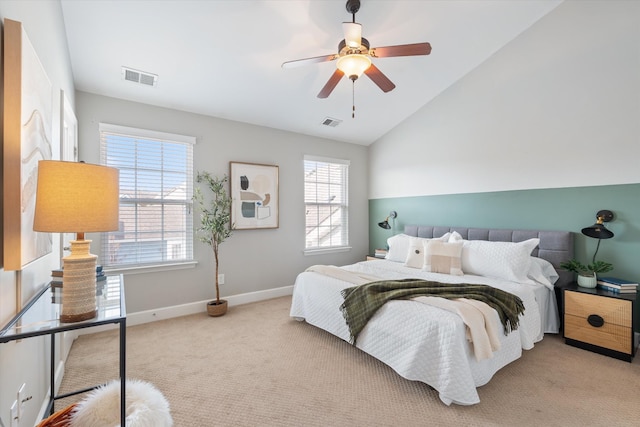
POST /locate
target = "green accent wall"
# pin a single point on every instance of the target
(542, 209)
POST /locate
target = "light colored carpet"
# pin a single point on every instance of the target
(257, 367)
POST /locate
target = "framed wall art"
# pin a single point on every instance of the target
(254, 194)
(27, 133)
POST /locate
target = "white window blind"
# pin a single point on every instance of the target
(156, 189)
(326, 198)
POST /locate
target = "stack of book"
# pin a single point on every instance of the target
(100, 274)
(380, 253)
(56, 278)
(616, 285)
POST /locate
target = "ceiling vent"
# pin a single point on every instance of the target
(139, 77)
(328, 121)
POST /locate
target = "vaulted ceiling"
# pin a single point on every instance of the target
(223, 58)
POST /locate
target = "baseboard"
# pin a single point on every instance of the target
(148, 316)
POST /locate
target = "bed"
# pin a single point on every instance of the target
(426, 343)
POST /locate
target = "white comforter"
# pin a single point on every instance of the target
(418, 341)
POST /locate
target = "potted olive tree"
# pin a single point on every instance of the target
(586, 273)
(215, 225)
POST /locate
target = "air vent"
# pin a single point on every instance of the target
(328, 121)
(139, 76)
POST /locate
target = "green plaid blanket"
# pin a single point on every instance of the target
(362, 302)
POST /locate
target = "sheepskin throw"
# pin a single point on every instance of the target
(146, 406)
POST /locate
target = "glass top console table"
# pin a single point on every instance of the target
(41, 316)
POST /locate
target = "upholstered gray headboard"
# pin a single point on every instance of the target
(555, 246)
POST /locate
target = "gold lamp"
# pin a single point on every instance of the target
(77, 198)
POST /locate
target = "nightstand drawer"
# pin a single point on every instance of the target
(598, 320)
(609, 335)
(612, 310)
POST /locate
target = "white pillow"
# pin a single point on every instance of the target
(399, 246)
(543, 272)
(443, 257)
(415, 254)
(455, 237)
(502, 260)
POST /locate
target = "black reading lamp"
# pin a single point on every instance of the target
(598, 230)
(385, 224)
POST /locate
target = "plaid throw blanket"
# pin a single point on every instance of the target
(362, 302)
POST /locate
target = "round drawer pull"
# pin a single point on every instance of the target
(595, 320)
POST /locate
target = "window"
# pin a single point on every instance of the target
(326, 202)
(156, 189)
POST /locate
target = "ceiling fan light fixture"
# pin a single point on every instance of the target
(353, 65)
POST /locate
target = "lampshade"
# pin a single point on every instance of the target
(598, 230)
(352, 34)
(385, 224)
(77, 197)
(353, 65)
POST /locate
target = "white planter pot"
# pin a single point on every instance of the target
(587, 281)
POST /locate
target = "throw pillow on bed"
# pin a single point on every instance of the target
(443, 257)
(502, 260)
(415, 254)
(399, 246)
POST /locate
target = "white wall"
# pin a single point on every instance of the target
(556, 107)
(24, 362)
(252, 260)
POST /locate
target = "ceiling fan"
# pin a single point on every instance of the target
(354, 56)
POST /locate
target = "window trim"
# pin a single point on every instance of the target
(159, 136)
(146, 133)
(322, 251)
(331, 249)
(151, 268)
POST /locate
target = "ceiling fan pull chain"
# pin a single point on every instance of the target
(353, 99)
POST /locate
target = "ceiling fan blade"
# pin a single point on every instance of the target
(401, 50)
(352, 34)
(380, 79)
(331, 84)
(306, 61)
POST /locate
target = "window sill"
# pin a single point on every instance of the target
(323, 251)
(151, 268)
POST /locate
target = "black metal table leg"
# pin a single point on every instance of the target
(52, 376)
(123, 376)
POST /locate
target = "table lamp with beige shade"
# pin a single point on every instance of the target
(77, 198)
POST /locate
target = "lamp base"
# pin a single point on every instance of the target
(73, 318)
(79, 283)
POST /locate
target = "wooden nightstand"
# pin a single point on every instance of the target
(599, 321)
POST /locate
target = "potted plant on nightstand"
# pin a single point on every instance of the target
(215, 226)
(586, 273)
